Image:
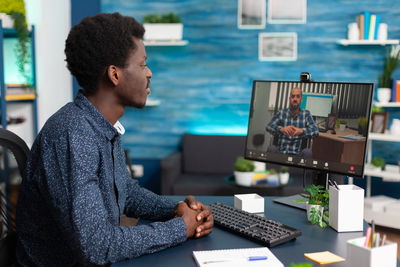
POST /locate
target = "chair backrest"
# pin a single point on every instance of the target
(8, 241)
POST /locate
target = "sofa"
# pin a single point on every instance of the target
(203, 165)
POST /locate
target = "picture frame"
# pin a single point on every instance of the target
(331, 122)
(287, 11)
(277, 46)
(379, 122)
(251, 14)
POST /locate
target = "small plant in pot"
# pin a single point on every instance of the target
(284, 175)
(244, 171)
(362, 126)
(317, 204)
(341, 124)
(392, 60)
(167, 27)
(378, 162)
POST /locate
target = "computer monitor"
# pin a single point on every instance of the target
(288, 125)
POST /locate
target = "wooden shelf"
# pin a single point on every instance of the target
(387, 105)
(346, 42)
(384, 137)
(152, 102)
(166, 43)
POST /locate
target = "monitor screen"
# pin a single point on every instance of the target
(312, 125)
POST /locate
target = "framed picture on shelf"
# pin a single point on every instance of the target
(287, 11)
(277, 46)
(251, 14)
(331, 122)
(379, 122)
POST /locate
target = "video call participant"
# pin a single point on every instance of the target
(291, 126)
(76, 186)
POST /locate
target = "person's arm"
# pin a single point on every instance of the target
(77, 206)
(311, 129)
(274, 126)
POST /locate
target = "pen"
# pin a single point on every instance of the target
(373, 233)
(335, 184)
(383, 240)
(367, 237)
(377, 240)
(251, 258)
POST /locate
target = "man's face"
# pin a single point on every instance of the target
(135, 81)
(295, 98)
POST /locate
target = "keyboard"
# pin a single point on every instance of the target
(251, 226)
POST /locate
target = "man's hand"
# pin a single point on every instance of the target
(291, 131)
(203, 216)
(189, 216)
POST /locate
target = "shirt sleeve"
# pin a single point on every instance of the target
(147, 205)
(274, 126)
(311, 130)
(77, 206)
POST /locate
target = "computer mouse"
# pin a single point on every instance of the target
(333, 132)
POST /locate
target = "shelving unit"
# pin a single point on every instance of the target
(166, 43)
(17, 95)
(380, 216)
(346, 42)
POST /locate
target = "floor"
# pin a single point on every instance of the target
(392, 235)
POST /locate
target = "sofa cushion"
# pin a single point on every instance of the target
(211, 154)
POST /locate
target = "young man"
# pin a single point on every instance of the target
(77, 186)
(291, 125)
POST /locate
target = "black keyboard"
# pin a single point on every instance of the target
(260, 229)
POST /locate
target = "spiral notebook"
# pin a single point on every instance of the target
(236, 257)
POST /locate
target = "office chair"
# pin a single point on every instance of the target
(8, 241)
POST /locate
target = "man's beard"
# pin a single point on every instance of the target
(292, 107)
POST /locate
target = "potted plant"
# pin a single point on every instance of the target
(272, 177)
(317, 201)
(362, 126)
(342, 124)
(391, 61)
(16, 10)
(166, 27)
(244, 171)
(378, 163)
(284, 175)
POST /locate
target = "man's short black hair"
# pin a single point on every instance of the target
(98, 42)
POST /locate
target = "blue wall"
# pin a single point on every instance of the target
(205, 87)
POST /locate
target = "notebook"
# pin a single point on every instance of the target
(236, 257)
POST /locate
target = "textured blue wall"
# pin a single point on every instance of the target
(206, 86)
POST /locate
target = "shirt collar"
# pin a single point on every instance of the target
(95, 117)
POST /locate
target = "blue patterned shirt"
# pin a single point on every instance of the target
(75, 190)
(303, 120)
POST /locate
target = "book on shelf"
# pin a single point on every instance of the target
(19, 92)
(395, 91)
(360, 22)
(366, 24)
(371, 32)
(377, 22)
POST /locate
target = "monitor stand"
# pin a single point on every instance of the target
(318, 178)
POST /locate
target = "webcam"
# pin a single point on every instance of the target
(305, 77)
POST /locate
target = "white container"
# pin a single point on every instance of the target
(249, 202)
(395, 127)
(284, 178)
(244, 178)
(163, 31)
(382, 32)
(358, 255)
(353, 32)
(346, 208)
(384, 95)
(342, 127)
(6, 20)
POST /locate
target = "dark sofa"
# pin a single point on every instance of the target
(203, 164)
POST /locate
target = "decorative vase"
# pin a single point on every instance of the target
(384, 95)
(243, 178)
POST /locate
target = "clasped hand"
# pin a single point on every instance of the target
(291, 130)
(197, 216)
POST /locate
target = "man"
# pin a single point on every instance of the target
(291, 125)
(76, 186)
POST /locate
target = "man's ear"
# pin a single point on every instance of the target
(113, 74)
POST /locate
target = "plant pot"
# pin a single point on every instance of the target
(6, 20)
(342, 127)
(310, 206)
(163, 31)
(283, 178)
(244, 178)
(384, 95)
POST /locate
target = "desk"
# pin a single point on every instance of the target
(313, 239)
(332, 147)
